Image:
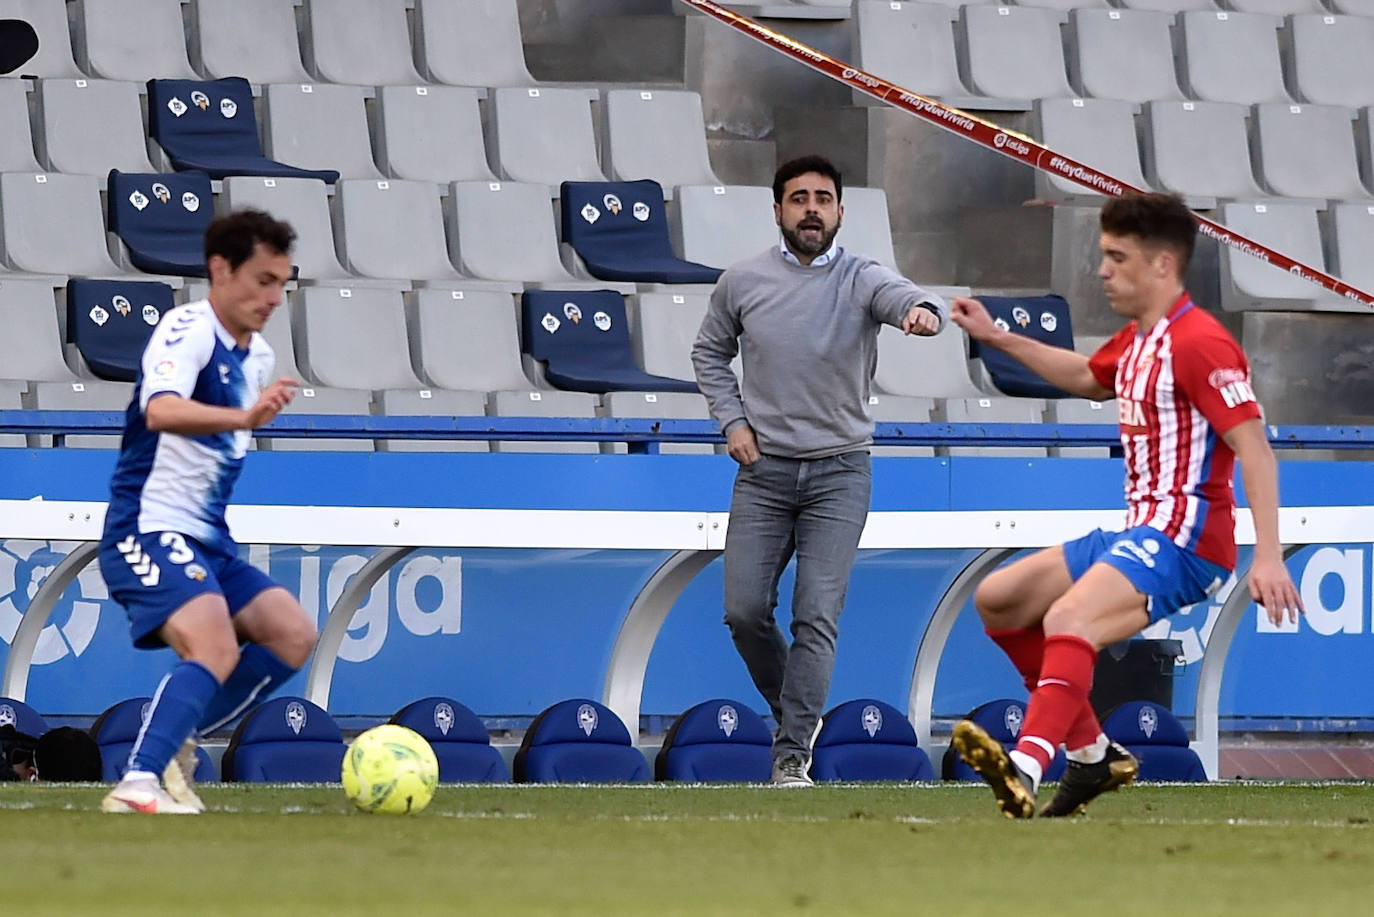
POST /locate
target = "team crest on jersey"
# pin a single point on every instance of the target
(573, 312)
(295, 716)
(1012, 718)
(1148, 720)
(121, 305)
(872, 720)
(727, 718)
(196, 572)
(587, 718)
(443, 717)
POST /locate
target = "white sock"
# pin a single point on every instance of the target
(1091, 754)
(1030, 767)
(138, 775)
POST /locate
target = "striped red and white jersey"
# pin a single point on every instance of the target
(1179, 386)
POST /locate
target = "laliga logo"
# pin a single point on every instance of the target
(872, 720)
(23, 567)
(1003, 139)
(586, 718)
(727, 718)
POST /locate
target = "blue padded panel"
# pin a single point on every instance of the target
(205, 768)
(1002, 720)
(459, 739)
(714, 741)
(110, 322)
(209, 125)
(1168, 762)
(22, 717)
(1140, 722)
(286, 739)
(579, 719)
(867, 739)
(581, 741)
(1045, 318)
(162, 217)
(288, 719)
(620, 229)
(584, 339)
(114, 732)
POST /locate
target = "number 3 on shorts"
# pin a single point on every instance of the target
(179, 553)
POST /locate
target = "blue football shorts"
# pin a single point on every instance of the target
(1168, 576)
(154, 573)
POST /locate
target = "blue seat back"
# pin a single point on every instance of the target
(1158, 740)
(716, 741)
(1044, 318)
(578, 741)
(459, 739)
(584, 339)
(867, 739)
(162, 218)
(1002, 719)
(620, 230)
(114, 732)
(285, 740)
(22, 717)
(110, 322)
(192, 117)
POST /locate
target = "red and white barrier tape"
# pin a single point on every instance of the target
(1008, 143)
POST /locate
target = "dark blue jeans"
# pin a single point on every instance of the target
(815, 509)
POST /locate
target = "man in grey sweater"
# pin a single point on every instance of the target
(804, 316)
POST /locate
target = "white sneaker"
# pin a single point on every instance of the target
(791, 770)
(180, 779)
(143, 796)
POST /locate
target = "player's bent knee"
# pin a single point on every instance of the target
(1068, 615)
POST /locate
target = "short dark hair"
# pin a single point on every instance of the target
(1156, 220)
(67, 755)
(235, 235)
(800, 166)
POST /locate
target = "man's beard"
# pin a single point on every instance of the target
(803, 246)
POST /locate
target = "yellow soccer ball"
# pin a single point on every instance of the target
(390, 769)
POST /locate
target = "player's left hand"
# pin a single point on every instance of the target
(1272, 587)
(920, 320)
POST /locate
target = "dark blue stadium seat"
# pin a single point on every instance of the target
(459, 740)
(1002, 720)
(1157, 739)
(114, 732)
(717, 741)
(620, 230)
(22, 717)
(1045, 318)
(578, 741)
(866, 739)
(285, 740)
(110, 322)
(209, 125)
(161, 218)
(584, 339)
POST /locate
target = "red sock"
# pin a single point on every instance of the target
(1085, 729)
(1026, 650)
(1059, 698)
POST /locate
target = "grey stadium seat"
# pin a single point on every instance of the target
(431, 133)
(1199, 149)
(542, 404)
(899, 409)
(924, 367)
(431, 403)
(393, 229)
(867, 228)
(16, 141)
(73, 113)
(1064, 6)
(1352, 240)
(52, 224)
(352, 338)
(49, 20)
(278, 333)
(254, 39)
(366, 42)
(12, 399)
(718, 225)
(1169, 6)
(1276, 7)
(318, 126)
(1014, 52)
(1308, 151)
(1081, 410)
(314, 399)
(1331, 59)
(658, 134)
(908, 44)
(1097, 132)
(470, 43)
(504, 231)
(31, 347)
(85, 395)
(682, 405)
(1354, 7)
(1122, 54)
(1232, 57)
(131, 40)
(993, 410)
(465, 340)
(1290, 227)
(544, 135)
(665, 326)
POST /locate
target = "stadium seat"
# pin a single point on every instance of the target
(49, 20)
(431, 403)
(901, 409)
(314, 399)
(70, 113)
(679, 405)
(1097, 132)
(658, 134)
(285, 740)
(1014, 52)
(1329, 61)
(865, 740)
(131, 39)
(1170, 6)
(430, 133)
(466, 340)
(578, 741)
(470, 44)
(924, 367)
(992, 410)
(582, 339)
(352, 338)
(83, 395)
(665, 327)
(1122, 54)
(1276, 7)
(114, 732)
(723, 224)
(393, 230)
(1044, 318)
(1199, 150)
(52, 224)
(366, 42)
(1249, 284)
(1082, 411)
(31, 347)
(867, 228)
(1308, 151)
(12, 399)
(1231, 57)
(319, 127)
(210, 125)
(459, 740)
(1002, 720)
(16, 142)
(544, 135)
(620, 232)
(22, 717)
(161, 219)
(1353, 7)
(253, 39)
(1157, 739)
(110, 322)
(716, 741)
(910, 45)
(1352, 239)
(542, 404)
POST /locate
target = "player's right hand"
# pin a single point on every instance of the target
(271, 402)
(742, 445)
(973, 317)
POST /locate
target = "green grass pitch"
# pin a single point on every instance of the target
(1230, 848)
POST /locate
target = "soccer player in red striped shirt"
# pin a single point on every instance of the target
(1187, 411)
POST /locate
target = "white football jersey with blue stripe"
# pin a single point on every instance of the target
(167, 481)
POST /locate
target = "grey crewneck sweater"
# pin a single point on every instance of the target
(808, 337)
